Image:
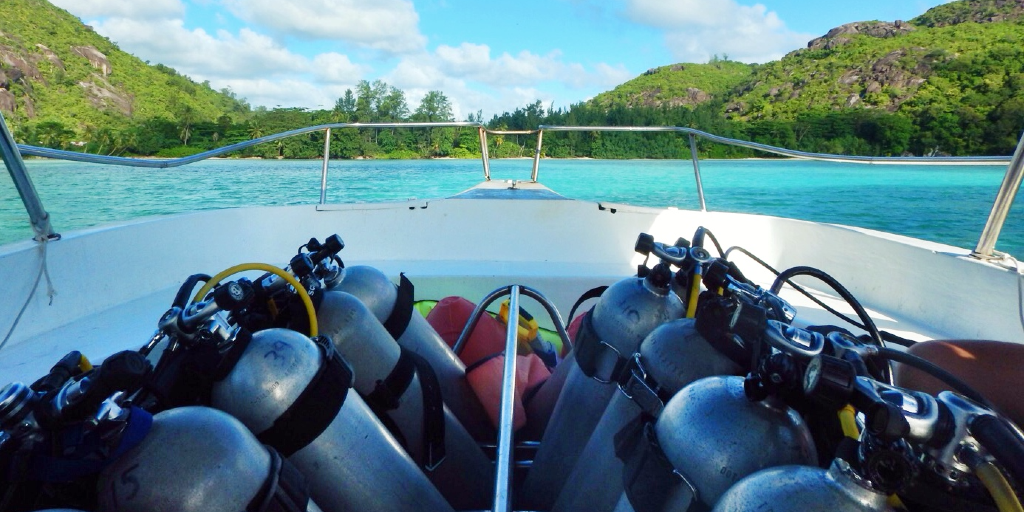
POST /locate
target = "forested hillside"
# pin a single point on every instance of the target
(948, 82)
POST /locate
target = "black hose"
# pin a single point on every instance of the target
(698, 239)
(1001, 442)
(887, 336)
(869, 324)
(181, 298)
(935, 371)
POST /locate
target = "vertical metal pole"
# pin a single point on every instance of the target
(536, 156)
(503, 466)
(483, 153)
(37, 215)
(1001, 207)
(323, 173)
(696, 172)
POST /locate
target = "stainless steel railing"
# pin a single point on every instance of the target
(985, 248)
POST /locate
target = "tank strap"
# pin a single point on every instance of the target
(649, 480)
(285, 489)
(316, 407)
(642, 389)
(598, 360)
(433, 412)
(387, 395)
(401, 313)
(592, 293)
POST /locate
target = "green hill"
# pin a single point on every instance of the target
(953, 79)
(61, 82)
(678, 85)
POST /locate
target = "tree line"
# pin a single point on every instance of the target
(872, 132)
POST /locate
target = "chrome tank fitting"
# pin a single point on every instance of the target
(196, 459)
(713, 435)
(392, 306)
(277, 388)
(802, 488)
(464, 475)
(671, 357)
(610, 334)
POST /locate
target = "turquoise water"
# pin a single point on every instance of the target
(943, 204)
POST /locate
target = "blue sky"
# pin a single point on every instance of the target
(489, 56)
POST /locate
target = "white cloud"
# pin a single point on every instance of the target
(335, 68)
(388, 25)
(286, 92)
(135, 9)
(697, 29)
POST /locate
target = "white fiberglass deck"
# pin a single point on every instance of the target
(113, 283)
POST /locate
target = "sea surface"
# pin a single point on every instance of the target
(947, 204)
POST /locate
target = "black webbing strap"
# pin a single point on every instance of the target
(315, 408)
(642, 389)
(598, 360)
(230, 358)
(285, 489)
(649, 480)
(401, 313)
(433, 413)
(592, 293)
(386, 395)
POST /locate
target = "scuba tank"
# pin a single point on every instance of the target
(398, 385)
(610, 334)
(671, 357)
(295, 395)
(201, 459)
(393, 307)
(800, 488)
(709, 436)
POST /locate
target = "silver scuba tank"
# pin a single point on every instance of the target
(200, 459)
(709, 436)
(402, 393)
(294, 395)
(608, 337)
(804, 488)
(670, 357)
(392, 306)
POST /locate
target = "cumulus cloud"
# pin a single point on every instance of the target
(697, 29)
(135, 9)
(388, 25)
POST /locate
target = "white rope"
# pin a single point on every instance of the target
(50, 291)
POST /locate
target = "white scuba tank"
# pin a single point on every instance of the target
(295, 395)
(393, 308)
(200, 459)
(394, 385)
(804, 488)
(707, 438)
(670, 357)
(609, 335)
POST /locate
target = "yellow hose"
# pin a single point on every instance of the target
(849, 422)
(83, 364)
(691, 304)
(998, 487)
(310, 310)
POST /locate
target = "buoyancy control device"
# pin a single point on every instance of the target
(295, 395)
(610, 334)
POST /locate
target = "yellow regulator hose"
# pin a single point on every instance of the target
(691, 303)
(849, 422)
(998, 487)
(310, 310)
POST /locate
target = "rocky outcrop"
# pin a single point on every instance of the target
(16, 66)
(843, 33)
(972, 11)
(7, 101)
(105, 96)
(650, 98)
(50, 56)
(95, 58)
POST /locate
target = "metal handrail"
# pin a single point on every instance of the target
(40, 219)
